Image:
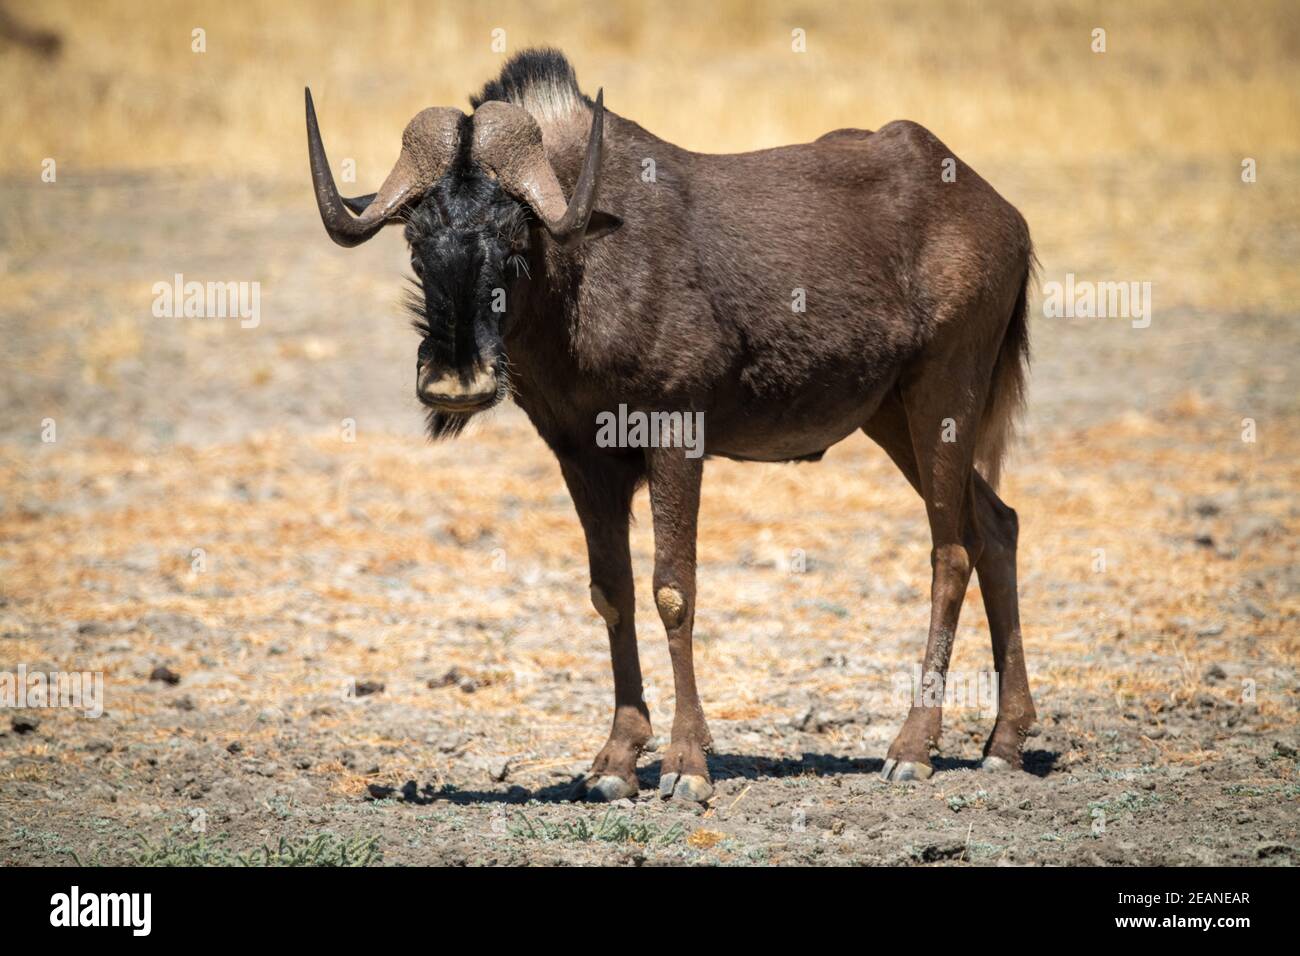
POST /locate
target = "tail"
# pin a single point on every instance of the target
(1007, 387)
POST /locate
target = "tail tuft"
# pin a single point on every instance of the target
(1007, 388)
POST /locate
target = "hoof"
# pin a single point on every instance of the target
(897, 770)
(604, 789)
(995, 764)
(686, 786)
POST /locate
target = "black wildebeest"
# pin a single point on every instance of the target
(791, 295)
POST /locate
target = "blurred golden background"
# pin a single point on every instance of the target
(999, 81)
(1129, 156)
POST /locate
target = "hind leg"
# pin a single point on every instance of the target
(996, 566)
(997, 574)
(942, 424)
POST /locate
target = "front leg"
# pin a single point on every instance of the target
(602, 489)
(674, 505)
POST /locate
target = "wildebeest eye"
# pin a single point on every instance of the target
(418, 266)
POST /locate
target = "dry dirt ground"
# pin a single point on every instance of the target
(381, 651)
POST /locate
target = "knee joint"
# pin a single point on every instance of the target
(952, 559)
(672, 606)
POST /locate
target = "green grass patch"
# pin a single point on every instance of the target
(1244, 790)
(1130, 801)
(323, 850)
(958, 802)
(612, 828)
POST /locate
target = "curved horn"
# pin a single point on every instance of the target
(428, 147)
(508, 142)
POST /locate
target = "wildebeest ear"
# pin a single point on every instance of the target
(601, 224)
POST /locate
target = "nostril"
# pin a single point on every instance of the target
(450, 389)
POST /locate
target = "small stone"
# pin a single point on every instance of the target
(99, 746)
(451, 743)
(1283, 749)
(1254, 610)
(234, 747)
(365, 688)
(1215, 673)
(23, 724)
(184, 702)
(454, 678)
(165, 675)
(102, 793)
(1266, 850)
(1206, 507)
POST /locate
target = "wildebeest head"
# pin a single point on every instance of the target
(474, 193)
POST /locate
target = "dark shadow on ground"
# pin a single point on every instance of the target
(1038, 763)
